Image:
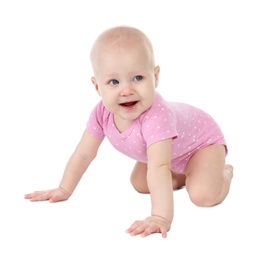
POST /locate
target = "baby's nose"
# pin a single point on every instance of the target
(126, 90)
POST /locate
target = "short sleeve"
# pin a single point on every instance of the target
(159, 124)
(95, 122)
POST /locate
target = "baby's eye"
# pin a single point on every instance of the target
(114, 82)
(137, 78)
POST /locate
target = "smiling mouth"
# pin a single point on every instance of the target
(129, 104)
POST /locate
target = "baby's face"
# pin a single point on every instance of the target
(126, 79)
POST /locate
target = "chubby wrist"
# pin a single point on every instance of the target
(64, 191)
(169, 220)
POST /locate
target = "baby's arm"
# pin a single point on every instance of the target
(159, 180)
(78, 163)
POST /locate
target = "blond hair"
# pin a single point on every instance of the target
(119, 37)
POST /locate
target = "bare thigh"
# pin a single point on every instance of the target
(139, 178)
(207, 176)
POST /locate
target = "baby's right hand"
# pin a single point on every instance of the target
(54, 195)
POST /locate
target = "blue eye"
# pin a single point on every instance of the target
(114, 82)
(138, 78)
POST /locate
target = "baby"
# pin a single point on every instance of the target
(173, 144)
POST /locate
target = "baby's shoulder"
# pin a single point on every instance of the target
(160, 111)
(100, 112)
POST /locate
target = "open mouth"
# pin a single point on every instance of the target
(129, 104)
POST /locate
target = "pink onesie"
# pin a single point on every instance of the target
(189, 127)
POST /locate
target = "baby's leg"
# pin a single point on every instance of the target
(139, 178)
(208, 178)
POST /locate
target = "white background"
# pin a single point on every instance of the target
(209, 53)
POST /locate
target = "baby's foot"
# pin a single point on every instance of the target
(228, 171)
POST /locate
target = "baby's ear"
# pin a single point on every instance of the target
(94, 82)
(156, 75)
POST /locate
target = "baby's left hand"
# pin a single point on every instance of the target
(150, 225)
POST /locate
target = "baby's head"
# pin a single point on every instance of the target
(121, 38)
(125, 75)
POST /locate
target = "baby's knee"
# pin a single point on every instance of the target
(203, 198)
(142, 190)
(139, 185)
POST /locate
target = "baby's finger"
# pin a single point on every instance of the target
(150, 230)
(163, 231)
(134, 226)
(34, 194)
(138, 228)
(40, 196)
(28, 196)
